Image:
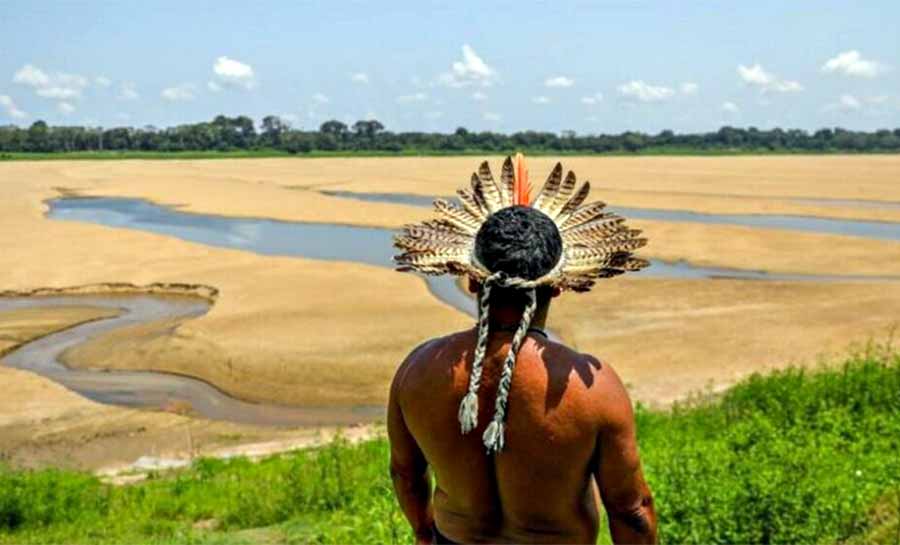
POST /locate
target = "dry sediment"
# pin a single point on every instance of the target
(301, 331)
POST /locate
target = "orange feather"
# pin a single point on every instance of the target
(521, 189)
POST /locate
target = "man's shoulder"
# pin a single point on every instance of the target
(592, 379)
(429, 347)
(427, 353)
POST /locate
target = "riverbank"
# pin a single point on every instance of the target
(44, 424)
(793, 457)
(301, 331)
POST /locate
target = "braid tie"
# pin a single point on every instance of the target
(468, 407)
(494, 434)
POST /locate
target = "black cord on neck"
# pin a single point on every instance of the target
(536, 330)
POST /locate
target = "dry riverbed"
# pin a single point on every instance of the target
(301, 331)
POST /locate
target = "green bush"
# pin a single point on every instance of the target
(792, 457)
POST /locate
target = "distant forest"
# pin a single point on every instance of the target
(241, 133)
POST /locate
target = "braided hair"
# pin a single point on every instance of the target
(518, 244)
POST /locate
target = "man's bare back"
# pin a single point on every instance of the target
(569, 425)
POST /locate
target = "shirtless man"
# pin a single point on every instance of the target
(568, 439)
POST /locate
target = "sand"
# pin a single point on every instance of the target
(668, 338)
(20, 326)
(325, 333)
(43, 423)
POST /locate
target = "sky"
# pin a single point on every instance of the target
(589, 67)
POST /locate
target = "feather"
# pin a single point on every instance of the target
(508, 180)
(471, 204)
(433, 258)
(521, 190)
(435, 245)
(562, 196)
(493, 193)
(458, 217)
(419, 233)
(601, 252)
(598, 229)
(586, 213)
(572, 204)
(635, 264)
(545, 199)
(441, 225)
(478, 194)
(625, 237)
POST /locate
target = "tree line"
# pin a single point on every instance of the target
(241, 133)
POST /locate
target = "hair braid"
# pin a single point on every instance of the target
(468, 407)
(494, 434)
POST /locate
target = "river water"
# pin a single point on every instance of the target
(366, 245)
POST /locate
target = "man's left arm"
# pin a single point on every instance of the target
(409, 469)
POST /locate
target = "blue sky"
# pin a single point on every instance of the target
(605, 66)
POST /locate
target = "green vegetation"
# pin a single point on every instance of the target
(270, 153)
(239, 137)
(792, 457)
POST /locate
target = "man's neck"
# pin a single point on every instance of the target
(508, 317)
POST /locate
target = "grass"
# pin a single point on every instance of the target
(792, 457)
(267, 153)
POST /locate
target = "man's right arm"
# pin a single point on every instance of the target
(617, 469)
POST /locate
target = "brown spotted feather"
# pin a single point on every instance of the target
(490, 189)
(546, 197)
(508, 180)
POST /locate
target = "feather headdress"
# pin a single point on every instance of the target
(596, 244)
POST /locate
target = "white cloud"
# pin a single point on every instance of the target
(320, 98)
(730, 107)
(11, 109)
(878, 99)
(491, 116)
(127, 91)
(360, 77)
(59, 92)
(213, 86)
(849, 102)
(851, 63)
(689, 88)
(645, 92)
(370, 116)
(593, 99)
(415, 97)
(559, 81)
(234, 73)
(31, 75)
(471, 70)
(540, 100)
(60, 86)
(479, 96)
(180, 93)
(102, 81)
(846, 103)
(65, 108)
(766, 81)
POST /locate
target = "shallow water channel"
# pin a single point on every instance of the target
(367, 245)
(881, 230)
(148, 389)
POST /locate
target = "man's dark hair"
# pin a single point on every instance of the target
(520, 241)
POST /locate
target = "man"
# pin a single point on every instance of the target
(554, 435)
